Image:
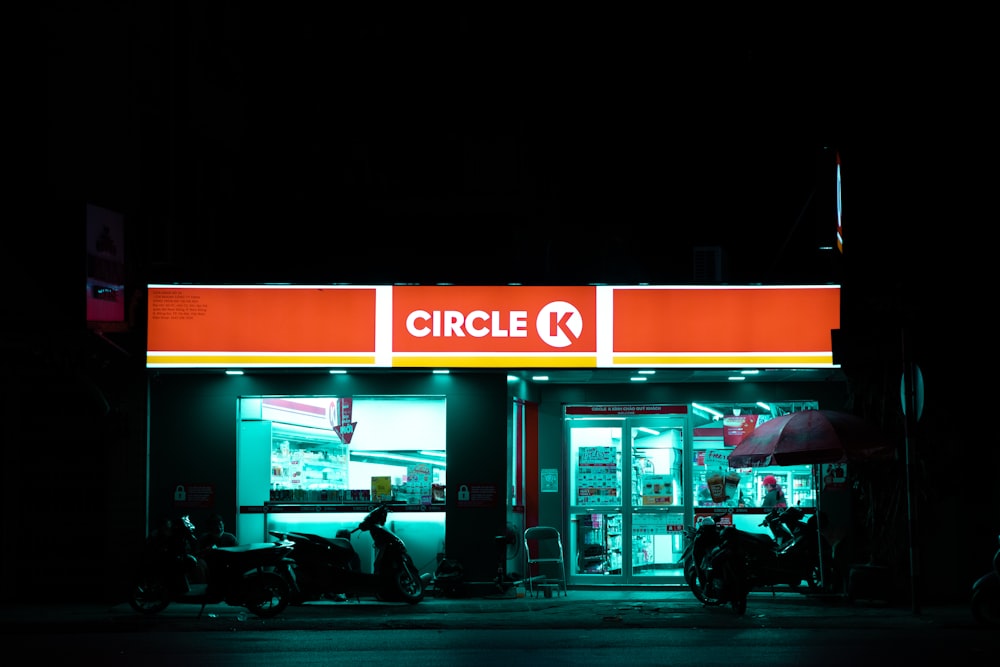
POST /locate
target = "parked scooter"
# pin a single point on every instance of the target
(786, 525)
(701, 540)
(254, 576)
(328, 567)
(724, 565)
(986, 594)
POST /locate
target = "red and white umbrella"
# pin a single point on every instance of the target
(808, 437)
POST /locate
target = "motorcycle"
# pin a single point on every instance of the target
(171, 569)
(786, 525)
(701, 540)
(329, 567)
(986, 594)
(723, 564)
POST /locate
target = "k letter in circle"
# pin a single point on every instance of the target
(559, 324)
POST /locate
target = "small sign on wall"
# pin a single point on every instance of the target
(550, 480)
(188, 495)
(476, 495)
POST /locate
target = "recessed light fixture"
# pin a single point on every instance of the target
(647, 372)
(441, 371)
(638, 379)
(737, 378)
(337, 371)
(512, 378)
(539, 378)
(234, 372)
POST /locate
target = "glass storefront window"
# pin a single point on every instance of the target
(740, 492)
(312, 460)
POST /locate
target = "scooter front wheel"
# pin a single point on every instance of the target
(148, 595)
(267, 594)
(696, 582)
(407, 582)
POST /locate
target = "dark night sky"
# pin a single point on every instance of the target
(313, 145)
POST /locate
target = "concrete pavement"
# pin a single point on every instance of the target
(584, 609)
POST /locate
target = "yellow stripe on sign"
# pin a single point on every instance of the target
(797, 359)
(258, 359)
(402, 361)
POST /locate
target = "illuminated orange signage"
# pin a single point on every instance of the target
(479, 327)
(260, 326)
(494, 326)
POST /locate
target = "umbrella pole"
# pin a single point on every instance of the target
(817, 478)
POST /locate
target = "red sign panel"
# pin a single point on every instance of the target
(726, 326)
(260, 326)
(737, 427)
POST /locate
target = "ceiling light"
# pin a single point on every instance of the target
(750, 371)
(638, 379)
(512, 378)
(736, 378)
(706, 409)
(764, 405)
(337, 371)
(647, 372)
(234, 372)
(433, 452)
(539, 378)
(440, 371)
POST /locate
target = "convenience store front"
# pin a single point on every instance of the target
(285, 407)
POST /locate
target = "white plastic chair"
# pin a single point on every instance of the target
(543, 547)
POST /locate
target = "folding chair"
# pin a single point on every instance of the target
(543, 547)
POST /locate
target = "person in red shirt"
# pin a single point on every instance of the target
(773, 494)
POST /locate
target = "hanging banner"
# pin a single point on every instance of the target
(345, 429)
(737, 427)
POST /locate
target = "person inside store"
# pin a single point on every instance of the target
(216, 535)
(774, 496)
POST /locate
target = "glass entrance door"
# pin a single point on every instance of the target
(626, 499)
(595, 498)
(656, 511)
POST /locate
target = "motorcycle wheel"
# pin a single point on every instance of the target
(986, 607)
(407, 582)
(148, 596)
(694, 580)
(267, 594)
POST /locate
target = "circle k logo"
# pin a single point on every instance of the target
(559, 324)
